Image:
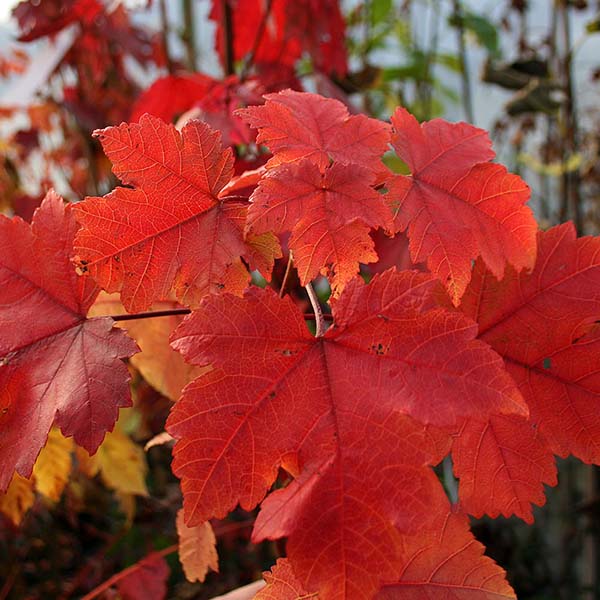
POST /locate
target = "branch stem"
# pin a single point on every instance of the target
(314, 300)
(118, 576)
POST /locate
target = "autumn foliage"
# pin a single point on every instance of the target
(332, 423)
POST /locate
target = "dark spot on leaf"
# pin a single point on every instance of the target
(379, 349)
(286, 352)
(383, 317)
(117, 258)
(5, 410)
(547, 363)
(271, 395)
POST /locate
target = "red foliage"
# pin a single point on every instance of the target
(60, 368)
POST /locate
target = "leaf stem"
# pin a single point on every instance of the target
(314, 300)
(287, 273)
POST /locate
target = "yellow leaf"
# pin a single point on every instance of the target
(122, 464)
(53, 465)
(18, 498)
(161, 366)
(197, 549)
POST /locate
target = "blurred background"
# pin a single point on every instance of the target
(526, 70)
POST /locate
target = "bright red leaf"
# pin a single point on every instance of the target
(172, 231)
(329, 213)
(170, 96)
(543, 324)
(280, 397)
(447, 564)
(455, 205)
(296, 125)
(503, 464)
(56, 366)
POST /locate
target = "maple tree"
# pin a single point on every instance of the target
(330, 411)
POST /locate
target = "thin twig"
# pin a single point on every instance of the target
(188, 35)
(465, 76)
(165, 34)
(287, 274)
(314, 300)
(152, 313)
(257, 40)
(227, 29)
(172, 312)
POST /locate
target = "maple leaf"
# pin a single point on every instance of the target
(256, 31)
(120, 462)
(170, 96)
(147, 581)
(447, 564)
(162, 367)
(282, 584)
(38, 20)
(320, 26)
(171, 231)
(60, 368)
(329, 213)
(197, 549)
(502, 464)
(543, 324)
(18, 499)
(53, 465)
(455, 206)
(277, 396)
(296, 125)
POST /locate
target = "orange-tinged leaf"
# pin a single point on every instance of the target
(279, 396)
(503, 464)
(297, 125)
(58, 367)
(447, 564)
(197, 549)
(163, 368)
(282, 584)
(171, 232)
(53, 465)
(329, 213)
(455, 205)
(18, 499)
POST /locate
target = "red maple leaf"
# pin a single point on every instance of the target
(447, 563)
(258, 30)
(277, 396)
(455, 206)
(297, 125)
(56, 366)
(543, 325)
(146, 580)
(172, 231)
(170, 96)
(38, 19)
(330, 214)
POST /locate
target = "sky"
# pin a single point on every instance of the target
(5, 7)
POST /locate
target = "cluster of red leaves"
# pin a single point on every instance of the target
(356, 417)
